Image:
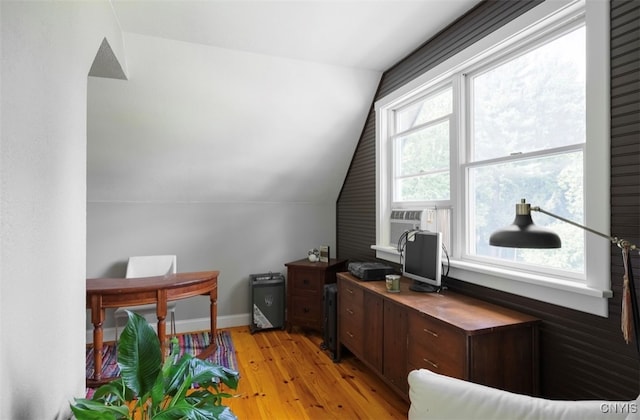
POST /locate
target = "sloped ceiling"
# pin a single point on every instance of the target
(246, 101)
(362, 34)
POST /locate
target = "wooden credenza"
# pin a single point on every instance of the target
(305, 291)
(447, 333)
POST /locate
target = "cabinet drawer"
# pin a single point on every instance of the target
(306, 308)
(437, 346)
(351, 316)
(306, 282)
(351, 333)
(352, 313)
(350, 296)
(419, 358)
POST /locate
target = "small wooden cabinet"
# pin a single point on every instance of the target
(305, 291)
(447, 333)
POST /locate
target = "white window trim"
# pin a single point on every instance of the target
(591, 297)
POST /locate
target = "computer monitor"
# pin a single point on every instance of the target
(423, 260)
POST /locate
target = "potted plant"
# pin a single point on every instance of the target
(150, 389)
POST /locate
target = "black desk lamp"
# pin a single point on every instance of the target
(522, 233)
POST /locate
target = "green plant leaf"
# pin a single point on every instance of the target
(204, 372)
(157, 393)
(139, 355)
(182, 392)
(85, 409)
(216, 412)
(186, 411)
(176, 374)
(181, 410)
(173, 356)
(113, 393)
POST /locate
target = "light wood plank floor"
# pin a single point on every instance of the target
(287, 376)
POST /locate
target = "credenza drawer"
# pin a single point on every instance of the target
(420, 358)
(351, 334)
(350, 296)
(436, 345)
(351, 313)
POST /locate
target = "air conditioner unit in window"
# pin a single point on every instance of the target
(404, 220)
(431, 219)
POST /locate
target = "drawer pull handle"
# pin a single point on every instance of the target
(305, 281)
(350, 291)
(435, 365)
(349, 334)
(350, 311)
(433, 333)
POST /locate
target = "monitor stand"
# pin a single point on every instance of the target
(418, 286)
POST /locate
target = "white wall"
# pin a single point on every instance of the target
(47, 50)
(206, 124)
(231, 160)
(238, 239)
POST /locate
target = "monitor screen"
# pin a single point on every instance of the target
(423, 260)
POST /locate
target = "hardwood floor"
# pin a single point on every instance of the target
(287, 376)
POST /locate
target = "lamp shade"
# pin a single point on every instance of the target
(523, 233)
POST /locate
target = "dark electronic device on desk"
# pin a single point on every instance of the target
(369, 271)
(422, 260)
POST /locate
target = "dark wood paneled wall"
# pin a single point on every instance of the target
(356, 206)
(582, 356)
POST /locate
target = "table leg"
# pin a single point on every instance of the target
(213, 297)
(97, 319)
(213, 314)
(161, 311)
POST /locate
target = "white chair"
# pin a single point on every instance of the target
(148, 266)
(435, 396)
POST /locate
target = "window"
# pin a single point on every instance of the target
(526, 133)
(509, 118)
(421, 149)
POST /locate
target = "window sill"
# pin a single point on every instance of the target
(567, 294)
(563, 293)
(387, 253)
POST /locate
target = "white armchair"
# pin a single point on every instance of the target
(434, 396)
(148, 266)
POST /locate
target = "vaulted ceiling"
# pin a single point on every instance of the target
(245, 100)
(364, 34)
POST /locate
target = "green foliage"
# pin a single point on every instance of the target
(553, 183)
(533, 102)
(150, 389)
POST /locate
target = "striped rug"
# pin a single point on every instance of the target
(192, 343)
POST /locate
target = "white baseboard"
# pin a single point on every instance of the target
(184, 326)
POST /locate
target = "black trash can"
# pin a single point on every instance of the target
(267, 297)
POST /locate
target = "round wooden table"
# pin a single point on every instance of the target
(105, 293)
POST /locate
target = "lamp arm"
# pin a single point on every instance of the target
(613, 239)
